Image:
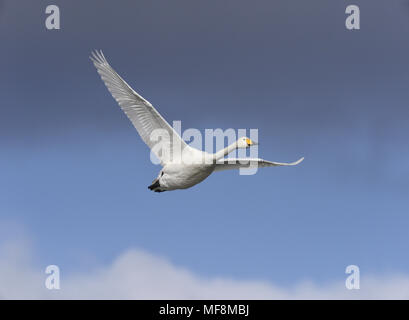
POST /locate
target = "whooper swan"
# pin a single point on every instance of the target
(182, 165)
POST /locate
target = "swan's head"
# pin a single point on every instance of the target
(245, 142)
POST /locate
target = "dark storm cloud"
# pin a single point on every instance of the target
(282, 66)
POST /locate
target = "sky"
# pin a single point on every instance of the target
(74, 172)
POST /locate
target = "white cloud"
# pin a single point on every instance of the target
(136, 274)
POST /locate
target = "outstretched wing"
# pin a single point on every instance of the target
(231, 163)
(142, 114)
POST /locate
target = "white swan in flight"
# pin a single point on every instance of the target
(183, 166)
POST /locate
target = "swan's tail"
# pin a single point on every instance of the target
(155, 186)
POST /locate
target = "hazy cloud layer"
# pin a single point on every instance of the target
(136, 274)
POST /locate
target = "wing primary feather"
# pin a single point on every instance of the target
(144, 117)
(232, 163)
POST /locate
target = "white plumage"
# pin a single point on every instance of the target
(183, 166)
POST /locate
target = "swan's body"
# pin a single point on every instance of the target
(183, 166)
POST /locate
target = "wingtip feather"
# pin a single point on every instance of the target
(298, 161)
(98, 58)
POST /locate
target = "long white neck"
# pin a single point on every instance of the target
(224, 152)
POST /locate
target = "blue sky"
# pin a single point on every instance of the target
(74, 172)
